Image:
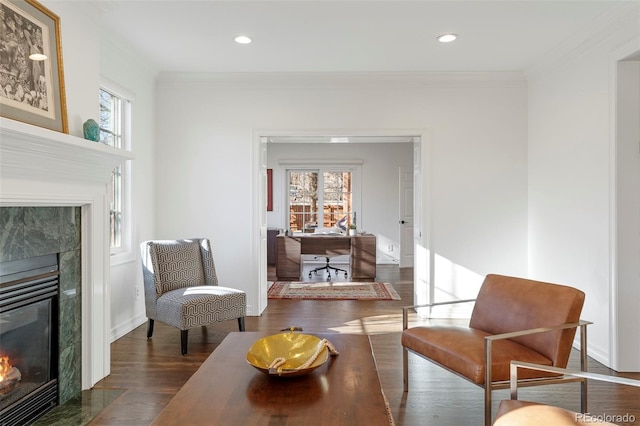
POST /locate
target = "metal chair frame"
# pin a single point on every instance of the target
(488, 340)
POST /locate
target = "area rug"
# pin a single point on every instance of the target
(332, 290)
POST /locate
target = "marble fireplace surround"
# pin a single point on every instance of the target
(40, 167)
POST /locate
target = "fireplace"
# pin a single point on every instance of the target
(29, 291)
(42, 169)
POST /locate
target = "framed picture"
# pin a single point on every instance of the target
(31, 77)
(269, 190)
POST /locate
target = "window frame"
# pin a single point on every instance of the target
(125, 252)
(353, 166)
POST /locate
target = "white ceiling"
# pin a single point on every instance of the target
(352, 36)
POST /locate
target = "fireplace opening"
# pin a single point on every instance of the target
(29, 291)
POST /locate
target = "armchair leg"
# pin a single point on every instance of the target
(405, 369)
(150, 329)
(183, 340)
(241, 323)
(583, 367)
(487, 404)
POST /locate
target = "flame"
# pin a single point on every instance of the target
(4, 367)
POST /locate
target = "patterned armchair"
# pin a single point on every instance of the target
(181, 287)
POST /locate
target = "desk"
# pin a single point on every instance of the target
(361, 248)
(226, 390)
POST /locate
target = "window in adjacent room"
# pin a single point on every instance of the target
(320, 198)
(114, 131)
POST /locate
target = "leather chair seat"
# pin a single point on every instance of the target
(461, 349)
(524, 413)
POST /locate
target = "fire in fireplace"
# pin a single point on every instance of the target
(29, 290)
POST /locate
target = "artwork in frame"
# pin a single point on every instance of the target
(269, 190)
(31, 75)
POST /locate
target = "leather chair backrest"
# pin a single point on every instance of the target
(505, 304)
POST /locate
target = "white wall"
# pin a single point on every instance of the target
(570, 176)
(476, 180)
(119, 65)
(379, 212)
(87, 57)
(81, 61)
(206, 126)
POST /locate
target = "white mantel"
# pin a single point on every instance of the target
(40, 167)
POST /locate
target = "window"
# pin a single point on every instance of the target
(114, 125)
(320, 198)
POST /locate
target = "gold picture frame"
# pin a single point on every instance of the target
(31, 87)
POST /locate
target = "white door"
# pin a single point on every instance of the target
(406, 218)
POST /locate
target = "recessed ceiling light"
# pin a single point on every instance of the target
(446, 38)
(242, 39)
(340, 139)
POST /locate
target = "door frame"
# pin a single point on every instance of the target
(422, 231)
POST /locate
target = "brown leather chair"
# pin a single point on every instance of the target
(513, 319)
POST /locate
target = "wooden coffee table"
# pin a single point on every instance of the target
(227, 390)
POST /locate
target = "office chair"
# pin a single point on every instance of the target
(328, 268)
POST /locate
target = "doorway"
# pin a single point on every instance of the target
(264, 138)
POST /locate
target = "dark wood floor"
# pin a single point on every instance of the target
(151, 371)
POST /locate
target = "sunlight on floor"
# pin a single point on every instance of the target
(378, 324)
(381, 324)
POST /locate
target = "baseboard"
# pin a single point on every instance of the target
(126, 327)
(594, 352)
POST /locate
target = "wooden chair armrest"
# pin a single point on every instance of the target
(405, 309)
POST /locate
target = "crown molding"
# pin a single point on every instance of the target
(621, 16)
(356, 80)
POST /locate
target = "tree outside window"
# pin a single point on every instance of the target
(319, 199)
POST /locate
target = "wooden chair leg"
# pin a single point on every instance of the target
(150, 329)
(241, 323)
(183, 340)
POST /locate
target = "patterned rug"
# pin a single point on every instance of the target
(332, 290)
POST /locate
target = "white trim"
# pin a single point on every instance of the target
(616, 56)
(118, 90)
(310, 164)
(619, 15)
(353, 166)
(39, 167)
(351, 80)
(422, 137)
(125, 253)
(126, 327)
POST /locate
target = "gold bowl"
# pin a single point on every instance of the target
(295, 349)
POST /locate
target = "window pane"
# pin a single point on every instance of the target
(337, 198)
(111, 133)
(116, 207)
(110, 119)
(303, 201)
(304, 198)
